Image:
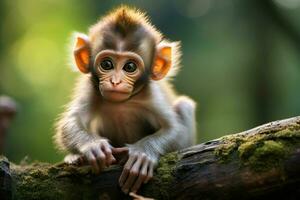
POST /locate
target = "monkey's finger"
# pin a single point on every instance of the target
(121, 154)
(92, 160)
(142, 176)
(126, 169)
(100, 156)
(108, 154)
(81, 160)
(150, 171)
(133, 174)
(122, 151)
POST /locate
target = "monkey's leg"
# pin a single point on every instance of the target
(185, 108)
(74, 159)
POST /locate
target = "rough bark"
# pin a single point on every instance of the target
(260, 163)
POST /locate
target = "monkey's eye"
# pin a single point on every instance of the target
(130, 67)
(106, 64)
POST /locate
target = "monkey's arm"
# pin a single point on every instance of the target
(73, 132)
(177, 129)
(72, 128)
(176, 132)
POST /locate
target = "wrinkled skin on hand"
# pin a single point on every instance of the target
(138, 166)
(98, 154)
(119, 156)
(137, 170)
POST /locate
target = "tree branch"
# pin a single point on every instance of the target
(255, 164)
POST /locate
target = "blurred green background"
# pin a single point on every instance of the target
(241, 62)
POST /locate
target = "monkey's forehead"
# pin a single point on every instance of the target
(138, 42)
(111, 36)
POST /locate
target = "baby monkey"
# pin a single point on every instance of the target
(124, 102)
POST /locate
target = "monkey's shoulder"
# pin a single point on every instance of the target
(164, 91)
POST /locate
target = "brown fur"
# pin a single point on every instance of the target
(152, 122)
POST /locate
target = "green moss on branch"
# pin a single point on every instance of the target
(164, 176)
(262, 151)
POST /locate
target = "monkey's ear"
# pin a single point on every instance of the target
(162, 61)
(82, 52)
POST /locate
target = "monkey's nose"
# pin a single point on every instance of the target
(115, 83)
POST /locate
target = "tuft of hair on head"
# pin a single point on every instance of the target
(125, 18)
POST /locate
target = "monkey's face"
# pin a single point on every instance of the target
(124, 67)
(118, 73)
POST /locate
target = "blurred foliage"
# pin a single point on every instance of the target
(240, 62)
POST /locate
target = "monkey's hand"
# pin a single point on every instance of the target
(137, 170)
(98, 154)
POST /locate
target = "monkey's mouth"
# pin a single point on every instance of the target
(116, 95)
(117, 91)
